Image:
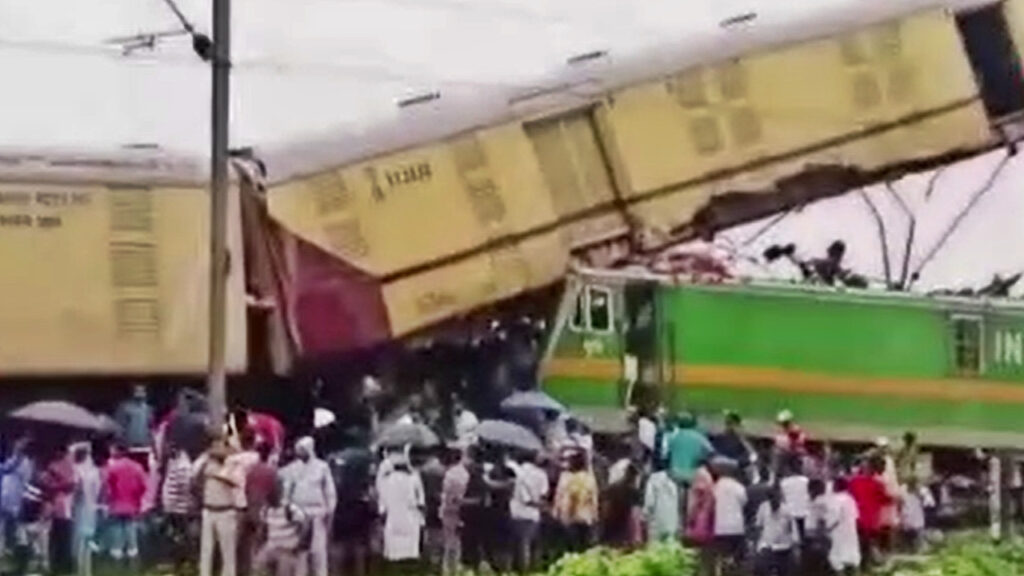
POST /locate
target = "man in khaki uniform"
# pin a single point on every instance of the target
(219, 486)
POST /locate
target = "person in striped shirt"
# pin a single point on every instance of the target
(287, 530)
(179, 506)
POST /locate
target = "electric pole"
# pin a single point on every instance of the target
(220, 64)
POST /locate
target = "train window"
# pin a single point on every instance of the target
(967, 345)
(993, 56)
(599, 309)
(593, 311)
(578, 320)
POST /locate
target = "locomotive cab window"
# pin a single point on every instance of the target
(593, 311)
(993, 56)
(967, 345)
(578, 321)
(599, 309)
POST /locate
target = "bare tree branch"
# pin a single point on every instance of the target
(963, 214)
(882, 236)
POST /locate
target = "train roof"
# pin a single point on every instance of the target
(965, 304)
(144, 167)
(444, 114)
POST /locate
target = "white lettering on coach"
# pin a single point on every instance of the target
(1009, 347)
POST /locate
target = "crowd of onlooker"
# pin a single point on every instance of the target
(250, 501)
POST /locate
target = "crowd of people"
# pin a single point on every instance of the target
(250, 502)
(792, 507)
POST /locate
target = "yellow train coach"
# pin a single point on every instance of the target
(462, 203)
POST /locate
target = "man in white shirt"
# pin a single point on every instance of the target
(841, 524)
(528, 496)
(465, 424)
(730, 522)
(647, 432)
(309, 484)
(777, 536)
(796, 496)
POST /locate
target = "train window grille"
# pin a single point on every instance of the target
(968, 345)
(594, 311)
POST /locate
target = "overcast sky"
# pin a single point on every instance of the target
(303, 66)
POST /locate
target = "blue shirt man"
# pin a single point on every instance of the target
(687, 449)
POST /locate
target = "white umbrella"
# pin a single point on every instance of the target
(322, 417)
(509, 434)
(532, 400)
(61, 414)
(418, 435)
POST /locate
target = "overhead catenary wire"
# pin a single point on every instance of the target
(491, 9)
(955, 224)
(358, 71)
(185, 22)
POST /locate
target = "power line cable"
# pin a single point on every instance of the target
(185, 23)
(359, 71)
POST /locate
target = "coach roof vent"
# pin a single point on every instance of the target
(419, 99)
(738, 20)
(586, 57)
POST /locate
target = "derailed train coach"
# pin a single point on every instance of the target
(464, 202)
(106, 266)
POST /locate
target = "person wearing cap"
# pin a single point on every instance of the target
(790, 438)
(310, 485)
